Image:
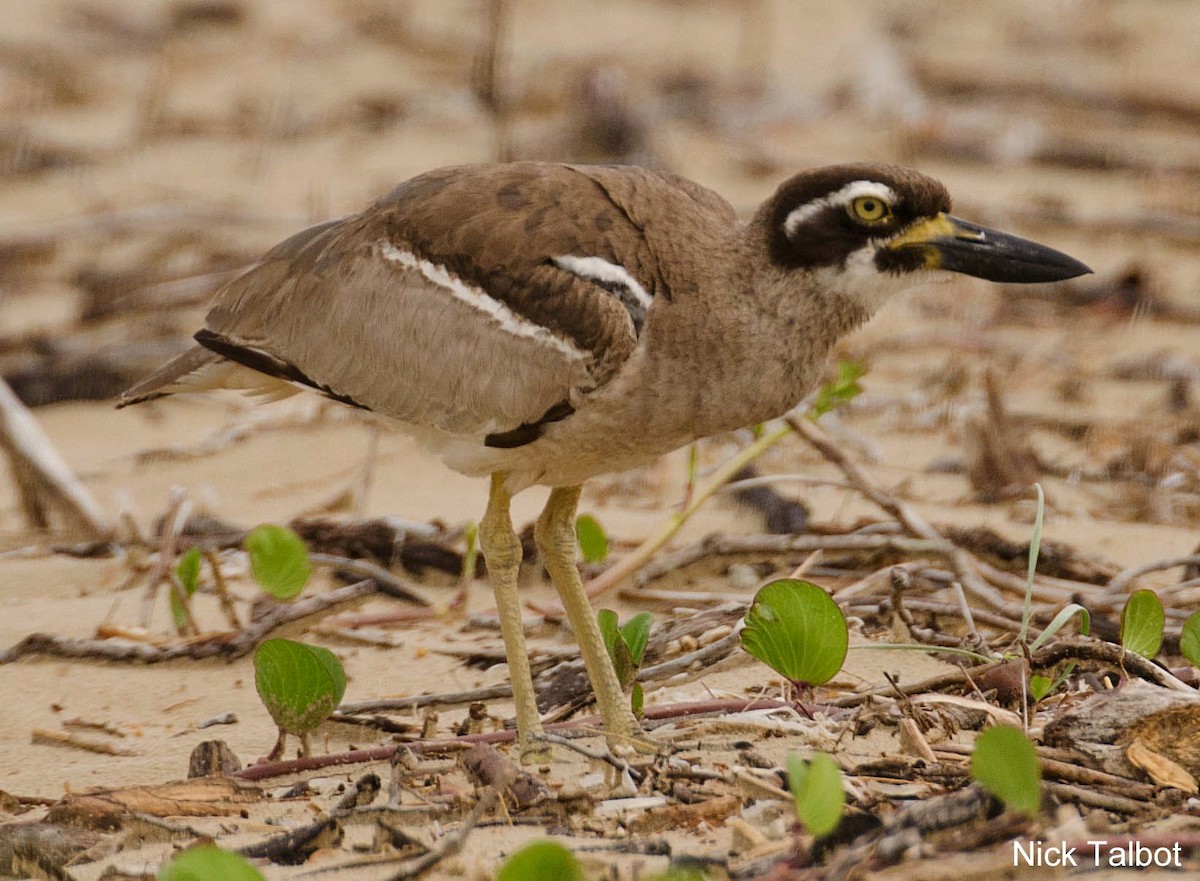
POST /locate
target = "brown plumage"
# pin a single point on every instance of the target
(544, 323)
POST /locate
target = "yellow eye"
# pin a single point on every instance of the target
(870, 209)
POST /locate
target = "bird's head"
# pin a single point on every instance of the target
(870, 230)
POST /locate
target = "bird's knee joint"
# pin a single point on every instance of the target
(501, 549)
(554, 538)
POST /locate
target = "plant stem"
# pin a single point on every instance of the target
(613, 576)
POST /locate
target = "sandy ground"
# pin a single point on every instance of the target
(153, 137)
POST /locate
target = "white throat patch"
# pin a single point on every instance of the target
(847, 194)
(860, 279)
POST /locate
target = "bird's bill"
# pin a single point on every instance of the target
(950, 243)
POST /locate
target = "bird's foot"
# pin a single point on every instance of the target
(535, 753)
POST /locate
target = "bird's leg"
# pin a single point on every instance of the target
(502, 551)
(555, 536)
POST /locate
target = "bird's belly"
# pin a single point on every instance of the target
(642, 415)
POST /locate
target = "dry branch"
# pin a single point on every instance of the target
(225, 644)
(44, 480)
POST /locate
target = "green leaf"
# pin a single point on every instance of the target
(1189, 639)
(838, 391)
(593, 541)
(1040, 686)
(208, 863)
(679, 873)
(1142, 622)
(1005, 762)
(541, 861)
(1064, 615)
(618, 649)
(187, 570)
(470, 557)
(278, 560)
(816, 787)
(299, 684)
(606, 620)
(637, 700)
(636, 633)
(797, 630)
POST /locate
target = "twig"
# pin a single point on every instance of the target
(599, 755)
(224, 644)
(222, 589)
(1083, 648)
(43, 477)
(296, 845)
(75, 741)
(498, 691)
(1120, 582)
(178, 509)
(453, 842)
(863, 482)
(386, 582)
(960, 560)
(501, 690)
(934, 683)
(630, 564)
(1092, 798)
(683, 710)
(992, 619)
(733, 545)
(705, 657)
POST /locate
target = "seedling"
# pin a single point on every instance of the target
(680, 873)
(208, 863)
(840, 390)
(1005, 762)
(278, 561)
(1041, 686)
(470, 558)
(187, 574)
(541, 861)
(1189, 639)
(626, 646)
(796, 629)
(593, 541)
(816, 787)
(1142, 622)
(300, 685)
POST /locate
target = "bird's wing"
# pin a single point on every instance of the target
(479, 300)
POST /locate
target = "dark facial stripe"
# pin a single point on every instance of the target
(830, 235)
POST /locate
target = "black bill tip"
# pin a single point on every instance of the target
(949, 243)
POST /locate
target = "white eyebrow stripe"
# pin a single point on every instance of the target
(847, 194)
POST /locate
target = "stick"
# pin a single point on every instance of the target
(222, 644)
(43, 477)
(1121, 582)
(386, 582)
(178, 509)
(626, 568)
(453, 842)
(961, 561)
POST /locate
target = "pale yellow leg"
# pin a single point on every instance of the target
(502, 551)
(555, 535)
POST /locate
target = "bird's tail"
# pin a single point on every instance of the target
(182, 373)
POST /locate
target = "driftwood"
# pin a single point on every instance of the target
(44, 481)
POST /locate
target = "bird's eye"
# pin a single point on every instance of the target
(870, 209)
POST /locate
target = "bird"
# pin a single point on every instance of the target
(543, 323)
